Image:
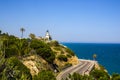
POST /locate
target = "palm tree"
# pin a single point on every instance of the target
(0, 31)
(94, 56)
(22, 30)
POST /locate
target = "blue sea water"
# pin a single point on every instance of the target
(108, 55)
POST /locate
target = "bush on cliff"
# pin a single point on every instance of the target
(115, 76)
(62, 58)
(99, 74)
(70, 51)
(15, 70)
(44, 75)
(43, 50)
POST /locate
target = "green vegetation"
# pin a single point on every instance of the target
(22, 30)
(32, 36)
(95, 75)
(57, 48)
(100, 75)
(94, 56)
(44, 75)
(13, 49)
(66, 66)
(115, 76)
(69, 56)
(62, 57)
(61, 52)
(54, 43)
(70, 52)
(76, 76)
(15, 70)
(43, 50)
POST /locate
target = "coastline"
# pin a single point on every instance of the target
(106, 53)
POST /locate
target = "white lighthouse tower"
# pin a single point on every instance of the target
(48, 36)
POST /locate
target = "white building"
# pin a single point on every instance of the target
(48, 36)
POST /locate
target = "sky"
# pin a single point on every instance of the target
(92, 21)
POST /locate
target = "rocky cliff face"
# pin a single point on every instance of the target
(35, 63)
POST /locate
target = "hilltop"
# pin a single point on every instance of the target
(63, 58)
(34, 55)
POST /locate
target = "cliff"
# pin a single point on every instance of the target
(64, 58)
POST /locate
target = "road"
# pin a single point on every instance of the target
(84, 67)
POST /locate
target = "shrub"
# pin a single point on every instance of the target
(45, 75)
(99, 74)
(15, 70)
(47, 54)
(61, 52)
(115, 76)
(62, 58)
(66, 66)
(69, 56)
(77, 76)
(57, 48)
(70, 51)
(54, 43)
(36, 44)
(43, 50)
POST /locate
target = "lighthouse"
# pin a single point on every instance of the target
(48, 36)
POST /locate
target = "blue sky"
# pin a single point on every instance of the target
(66, 20)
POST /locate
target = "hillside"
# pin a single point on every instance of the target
(36, 63)
(34, 55)
(64, 58)
(39, 59)
(64, 55)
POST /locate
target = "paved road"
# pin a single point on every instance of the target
(84, 67)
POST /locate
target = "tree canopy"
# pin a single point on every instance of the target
(15, 70)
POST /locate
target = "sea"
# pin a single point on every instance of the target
(108, 54)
